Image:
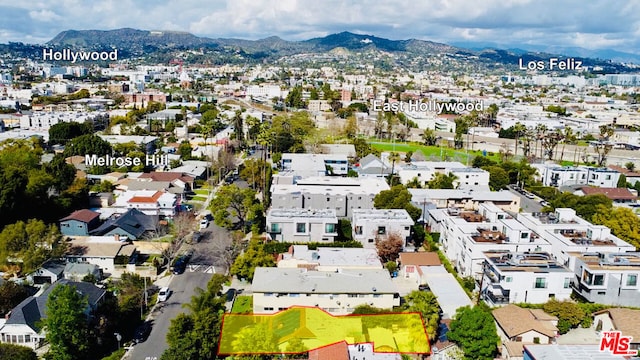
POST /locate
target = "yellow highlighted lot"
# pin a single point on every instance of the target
(300, 329)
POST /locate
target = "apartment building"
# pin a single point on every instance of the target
(608, 278)
(338, 293)
(558, 176)
(302, 225)
(377, 224)
(465, 199)
(338, 193)
(329, 258)
(307, 165)
(424, 171)
(528, 277)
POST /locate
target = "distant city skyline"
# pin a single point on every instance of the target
(505, 23)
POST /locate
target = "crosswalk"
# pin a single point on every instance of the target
(202, 268)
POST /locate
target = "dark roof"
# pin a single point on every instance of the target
(611, 193)
(167, 176)
(84, 215)
(32, 309)
(134, 222)
(54, 266)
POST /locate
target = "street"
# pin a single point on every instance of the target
(526, 204)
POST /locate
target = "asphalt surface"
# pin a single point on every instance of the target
(526, 204)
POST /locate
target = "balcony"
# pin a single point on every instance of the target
(496, 299)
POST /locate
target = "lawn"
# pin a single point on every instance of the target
(434, 153)
(243, 305)
(199, 198)
(201, 192)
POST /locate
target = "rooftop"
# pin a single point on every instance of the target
(515, 321)
(381, 214)
(304, 213)
(283, 280)
(527, 261)
(610, 261)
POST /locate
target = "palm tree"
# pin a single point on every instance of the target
(569, 138)
(429, 137)
(541, 131)
(518, 130)
(393, 157)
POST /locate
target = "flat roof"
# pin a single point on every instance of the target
(304, 213)
(446, 288)
(285, 280)
(569, 352)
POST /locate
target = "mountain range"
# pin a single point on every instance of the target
(161, 45)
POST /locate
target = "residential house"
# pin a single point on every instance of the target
(632, 176)
(372, 166)
(341, 194)
(465, 199)
(532, 277)
(79, 223)
(517, 326)
(104, 251)
(302, 225)
(619, 196)
(78, 271)
(48, 273)
(411, 263)
(338, 293)
(378, 224)
(329, 258)
(424, 171)
(132, 225)
(177, 179)
(348, 150)
(568, 352)
(23, 325)
(150, 202)
(608, 278)
(627, 321)
(101, 200)
(559, 176)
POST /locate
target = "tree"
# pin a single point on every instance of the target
(623, 222)
(569, 137)
(184, 150)
(253, 173)
(429, 137)
(393, 157)
(66, 324)
(390, 247)
(398, 197)
(498, 177)
(64, 132)
(442, 181)
(363, 148)
(350, 129)
(569, 314)
(90, 144)
(294, 98)
(232, 201)
(631, 166)
(255, 256)
(474, 330)
(425, 303)
(407, 156)
(16, 352)
(550, 141)
(622, 181)
(11, 294)
(604, 146)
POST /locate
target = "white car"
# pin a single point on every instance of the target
(163, 294)
(204, 223)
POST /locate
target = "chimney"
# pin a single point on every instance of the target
(117, 237)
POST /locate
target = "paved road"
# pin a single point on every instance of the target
(526, 204)
(208, 254)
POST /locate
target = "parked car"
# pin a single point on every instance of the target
(197, 236)
(142, 333)
(180, 266)
(164, 294)
(529, 195)
(544, 203)
(204, 223)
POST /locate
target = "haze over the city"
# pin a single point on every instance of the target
(533, 25)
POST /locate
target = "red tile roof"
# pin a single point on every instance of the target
(84, 215)
(625, 171)
(611, 193)
(146, 199)
(337, 351)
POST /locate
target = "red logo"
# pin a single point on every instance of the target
(616, 343)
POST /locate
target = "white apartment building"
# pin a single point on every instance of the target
(44, 120)
(308, 165)
(263, 91)
(341, 194)
(424, 171)
(338, 293)
(557, 176)
(568, 233)
(608, 278)
(464, 199)
(329, 258)
(466, 236)
(377, 224)
(531, 277)
(302, 225)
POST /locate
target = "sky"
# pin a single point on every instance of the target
(595, 24)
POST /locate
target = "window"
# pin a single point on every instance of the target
(294, 295)
(608, 177)
(541, 283)
(27, 338)
(598, 280)
(301, 227)
(524, 235)
(330, 228)
(382, 230)
(370, 241)
(353, 295)
(358, 230)
(275, 228)
(632, 279)
(377, 295)
(508, 279)
(567, 282)
(268, 294)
